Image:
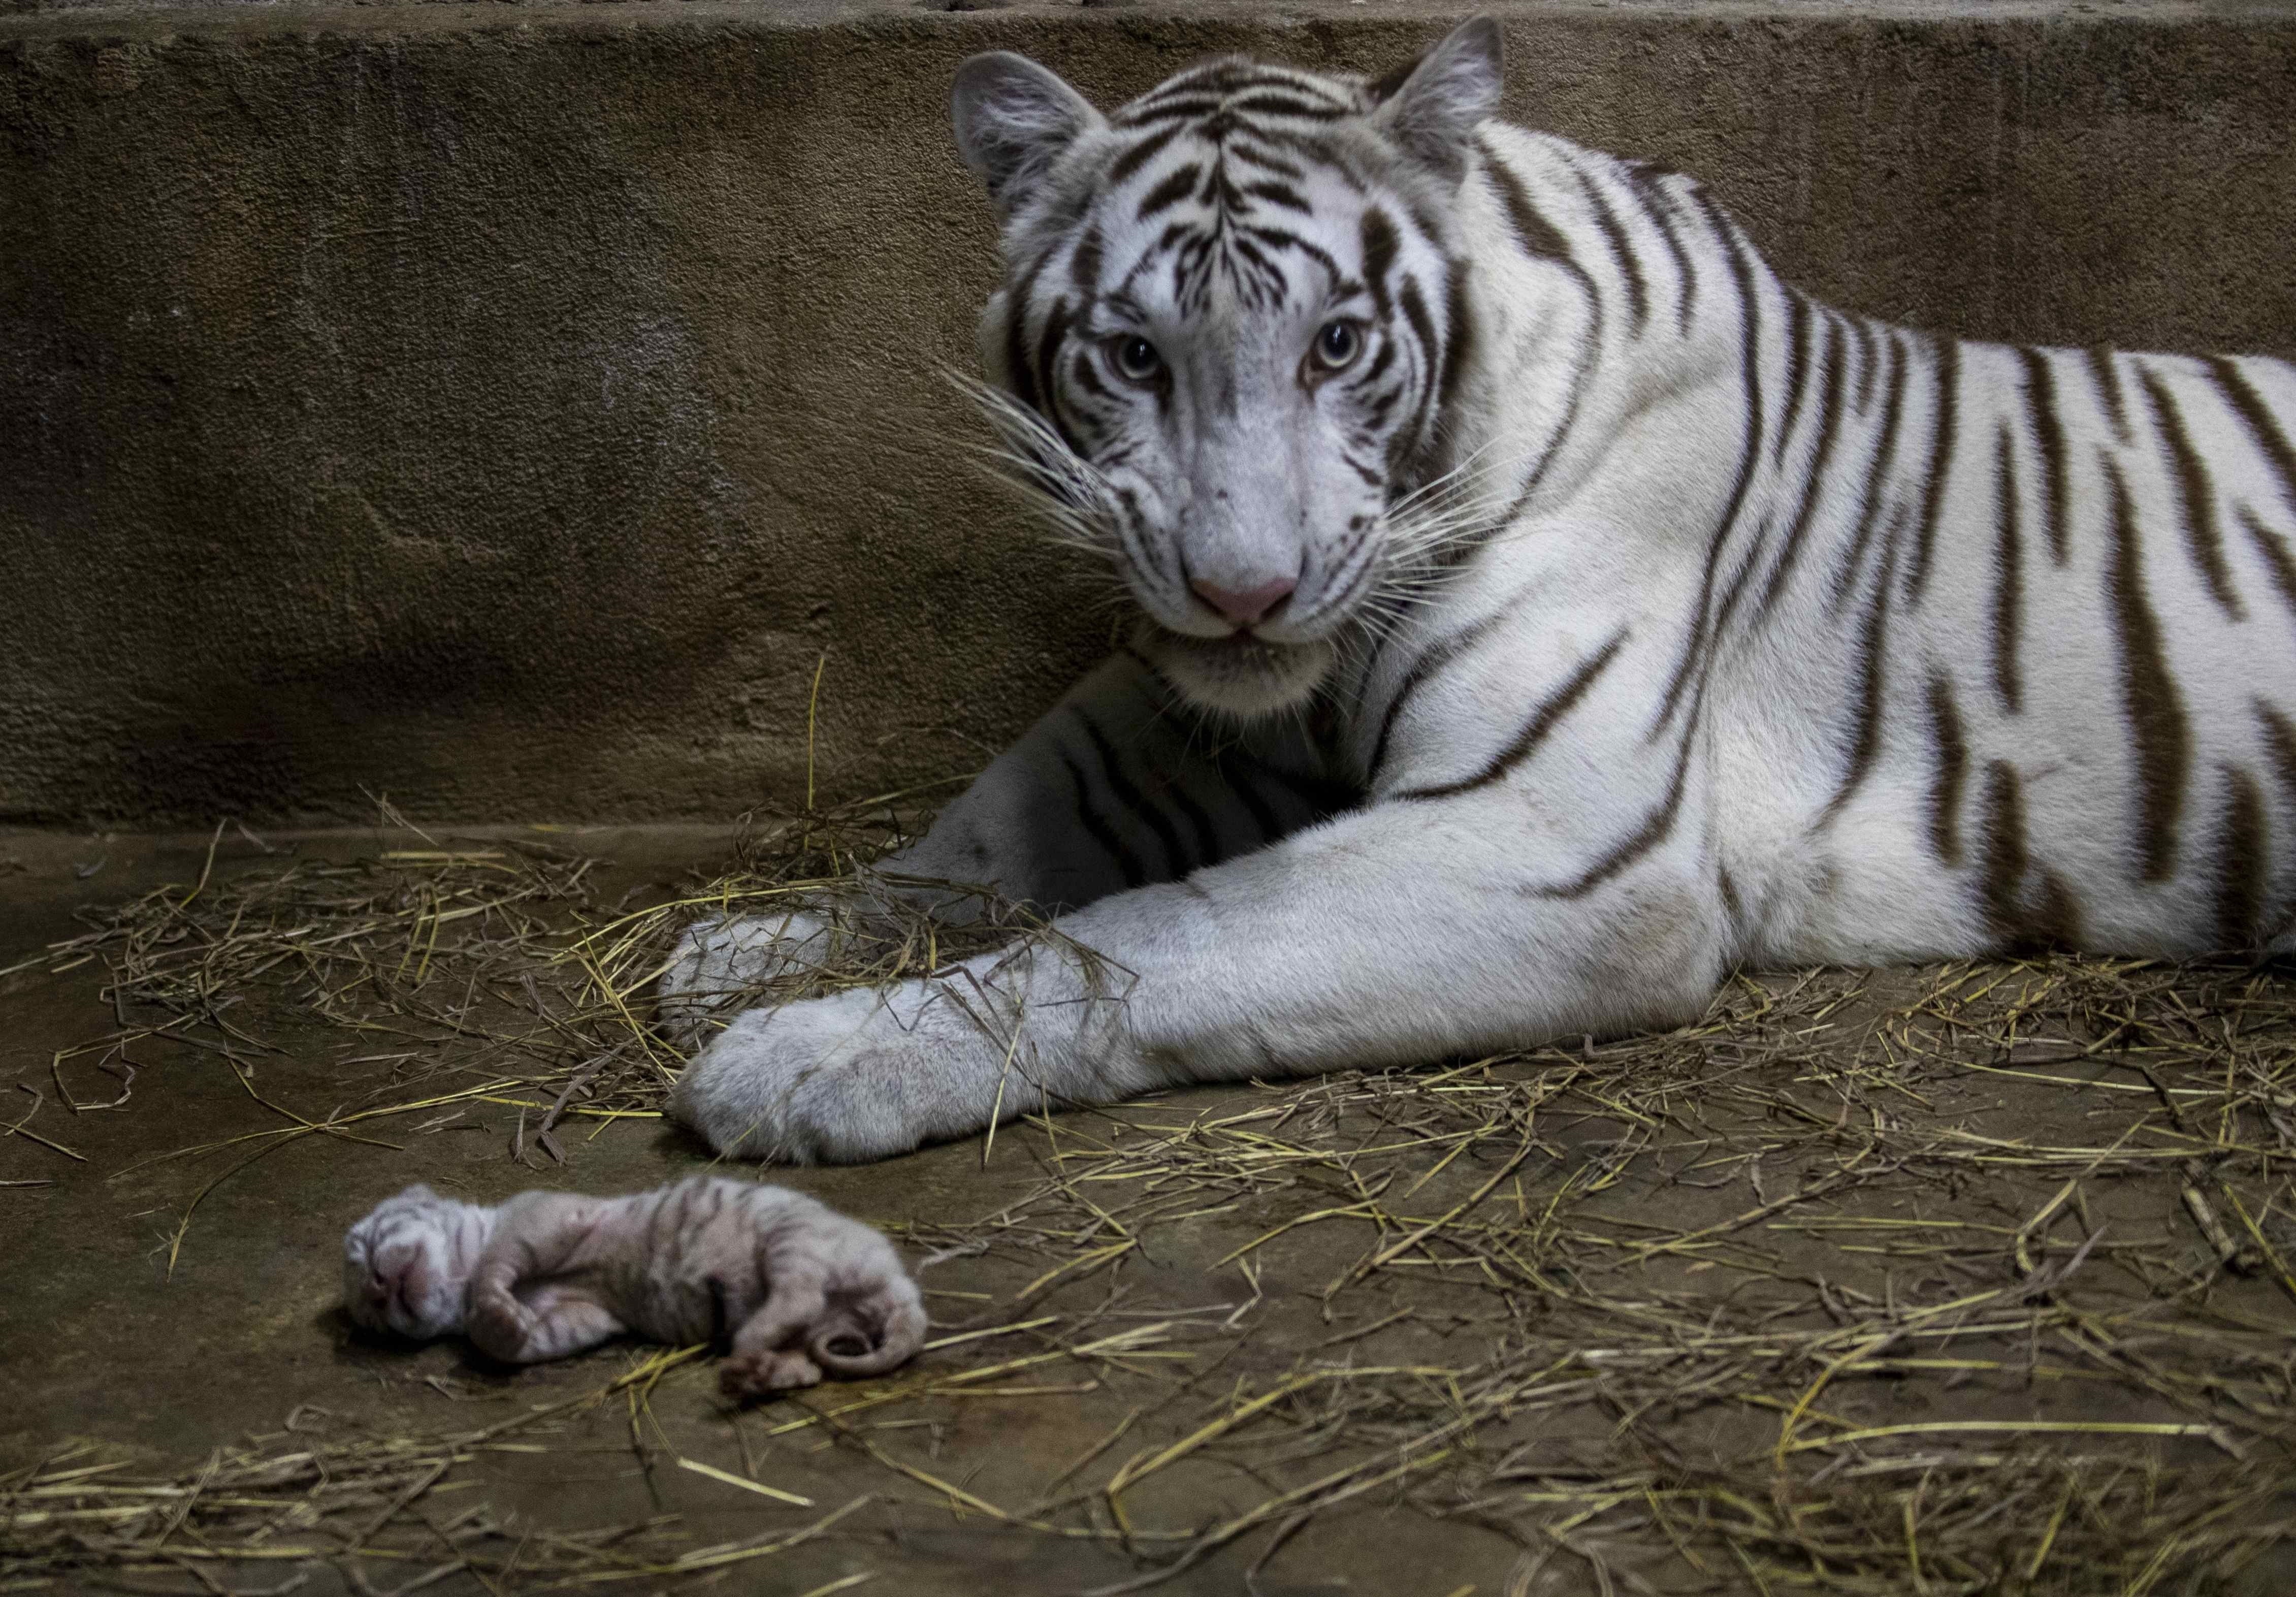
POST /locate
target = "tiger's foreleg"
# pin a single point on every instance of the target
(558, 1322)
(515, 1312)
(1116, 788)
(1399, 934)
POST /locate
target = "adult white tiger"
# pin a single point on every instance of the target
(1543, 608)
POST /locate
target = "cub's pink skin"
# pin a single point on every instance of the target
(799, 1289)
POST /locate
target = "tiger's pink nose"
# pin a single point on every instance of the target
(1248, 606)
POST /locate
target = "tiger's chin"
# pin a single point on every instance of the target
(1243, 676)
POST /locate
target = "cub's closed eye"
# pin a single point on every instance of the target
(1337, 345)
(1134, 358)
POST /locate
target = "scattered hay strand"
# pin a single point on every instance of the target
(359, 1504)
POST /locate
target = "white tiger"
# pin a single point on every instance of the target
(792, 1288)
(1544, 609)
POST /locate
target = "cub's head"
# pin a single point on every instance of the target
(1233, 323)
(405, 1264)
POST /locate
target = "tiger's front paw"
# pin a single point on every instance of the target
(828, 1081)
(720, 963)
(763, 1373)
(501, 1326)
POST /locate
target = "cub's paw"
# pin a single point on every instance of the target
(501, 1327)
(720, 962)
(828, 1081)
(761, 1374)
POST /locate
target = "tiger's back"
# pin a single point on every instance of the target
(2074, 706)
(1941, 647)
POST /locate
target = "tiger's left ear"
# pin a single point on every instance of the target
(1432, 106)
(1012, 120)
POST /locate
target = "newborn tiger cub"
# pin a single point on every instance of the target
(798, 1288)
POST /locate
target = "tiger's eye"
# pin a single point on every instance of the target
(1136, 360)
(1337, 345)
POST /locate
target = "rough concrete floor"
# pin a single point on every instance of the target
(96, 1343)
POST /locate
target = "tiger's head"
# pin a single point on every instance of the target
(1233, 323)
(406, 1263)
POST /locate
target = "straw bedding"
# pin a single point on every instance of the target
(1979, 1278)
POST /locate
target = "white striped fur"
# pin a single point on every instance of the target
(1714, 625)
(796, 1287)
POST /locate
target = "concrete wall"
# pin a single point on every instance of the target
(507, 407)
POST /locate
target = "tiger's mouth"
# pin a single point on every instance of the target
(1241, 674)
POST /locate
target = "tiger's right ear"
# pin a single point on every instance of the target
(1012, 120)
(1431, 106)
